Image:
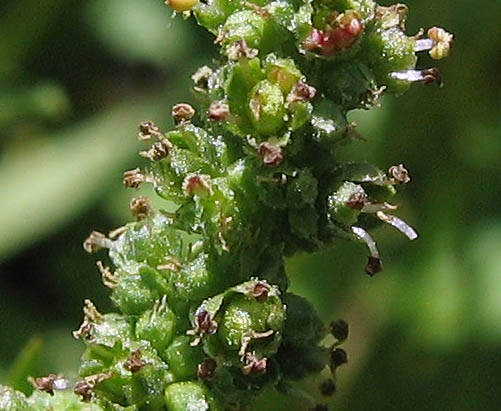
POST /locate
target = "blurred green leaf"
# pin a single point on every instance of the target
(45, 185)
(24, 365)
(140, 30)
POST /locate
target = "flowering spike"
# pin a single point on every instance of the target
(205, 321)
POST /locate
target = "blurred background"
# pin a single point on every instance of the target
(76, 77)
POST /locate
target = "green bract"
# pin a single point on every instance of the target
(206, 321)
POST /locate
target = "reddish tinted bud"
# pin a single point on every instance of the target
(260, 292)
(356, 201)
(198, 184)
(314, 40)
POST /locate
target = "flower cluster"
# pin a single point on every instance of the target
(205, 318)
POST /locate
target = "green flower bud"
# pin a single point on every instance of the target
(267, 108)
(345, 204)
(183, 357)
(189, 396)
(12, 400)
(258, 31)
(157, 325)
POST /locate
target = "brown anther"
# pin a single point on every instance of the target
(134, 362)
(84, 387)
(253, 365)
(44, 383)
(338, 358)
(399, 174)
(357, 200)
(147, 130)
(218, 111)
(239, 50)
(271, 154)
(328, 387)
(182, 113)
(134, 178)
(432, 75)
(204, 323)
(158, 151)
(339, 329)
(96, 241)
(260, 291)
(301, 92)
(140, 207)
(198, 184)
(206, 369)
(374, 265)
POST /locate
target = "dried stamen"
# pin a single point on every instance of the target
(49, 383)
(84, 387)
(399, 174)
(201, 77)
(218, 111)
(134, 362)
(301, 92)
(147, 130)
(134, 178)
(140, 207)
(253, 365)
(271, 154)
(158, 151)
(182, 113)
(109, 279)
(96, 241)
(239, 50)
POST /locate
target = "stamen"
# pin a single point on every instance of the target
(423, 45)
(367, 239)
(399, 224)
(431, 75)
